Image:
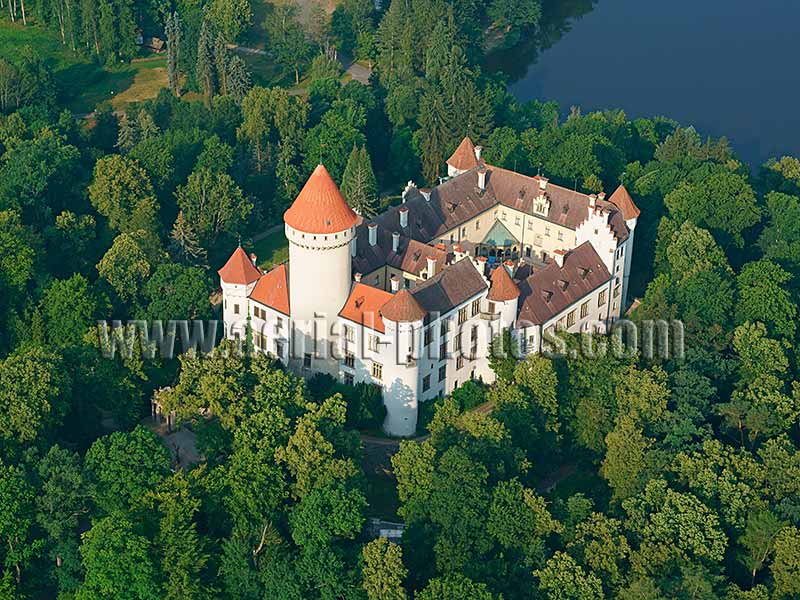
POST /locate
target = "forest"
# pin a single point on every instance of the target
(616, 476)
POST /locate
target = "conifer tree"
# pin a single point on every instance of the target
(237, 78)
(146, 126)
(128, 135)
(205, 62)
(221, 63)
(433, 138)
(358, 183)
(173, 33)
(186, 242)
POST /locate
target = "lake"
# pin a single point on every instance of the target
(727, 67)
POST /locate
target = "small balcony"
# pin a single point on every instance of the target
(488, 316)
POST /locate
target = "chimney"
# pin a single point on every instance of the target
(357, 277)
(592, 200)
(373, 233)
(431, 266)
(559, 255)
(482, 177)
(395, 242)
(403, 217)
(478, 150)
(409, 186)
(254, 259)
(395, 284)
(542, 183)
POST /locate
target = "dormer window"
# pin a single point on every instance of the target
(541, 206)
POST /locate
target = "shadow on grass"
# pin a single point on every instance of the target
(85, 85)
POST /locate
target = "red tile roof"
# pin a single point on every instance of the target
(623, 201)
(273, 289)
(320, 206)
(239, 269)
(403, 308)
(503, 287)
(364, 305)
(464, 158)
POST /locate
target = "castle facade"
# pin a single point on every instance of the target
(411, 299)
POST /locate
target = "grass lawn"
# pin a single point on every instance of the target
(83, 83)
(271, 250)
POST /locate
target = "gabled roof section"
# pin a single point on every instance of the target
(500, 236)
(364, 306)
(239, 269)
(551, 290)
(464, 157)
(403, 308)
(272, 289)
(503, 287)
(320, 206)
(623, 201)
(453, 286)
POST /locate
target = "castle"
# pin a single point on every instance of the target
(411, 299)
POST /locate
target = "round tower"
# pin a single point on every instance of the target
(403, 318)
(320, 227)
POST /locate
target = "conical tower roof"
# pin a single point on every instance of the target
(464, 157)
(239, 269)
(403, 308)
(623, 201)
(503, 287)
(320, 206)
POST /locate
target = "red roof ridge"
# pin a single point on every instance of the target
(403, 308)
(320, 207)
(464, 157)
(623, 201)
(239, 269)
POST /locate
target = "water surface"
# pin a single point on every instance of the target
(727, 67)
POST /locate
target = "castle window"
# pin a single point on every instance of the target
(601, 298)
(372, 342)
(349, 360)
(537, 240)
(517, 221)
(443, 351)
(279, 324)
(377, 370)
(547, 231)
(278, 348)
(474, 335)
(491, 308)
(306, 361)
(477, 224)
(236, 309)
(560, 236)
(462, 315)
(443, 328)
(457, 342)
(476, 306)
(349, 334)
(459, 362)
(428, 336)
(616, 291)
(571, 318)
(348, 379)
(463, 231)
(584, 309)
(426, 383)
(442, 372)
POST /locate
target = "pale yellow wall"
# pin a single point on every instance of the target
(531, 230)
